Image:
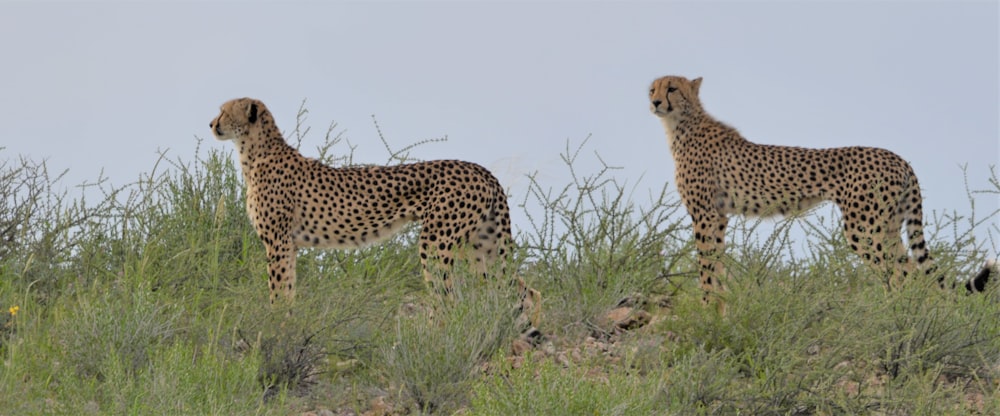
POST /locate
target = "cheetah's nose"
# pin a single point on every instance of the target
(656, 103)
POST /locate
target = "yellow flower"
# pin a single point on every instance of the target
(13, 310)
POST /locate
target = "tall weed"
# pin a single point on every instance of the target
(593, 245)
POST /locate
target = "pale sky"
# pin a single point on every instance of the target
(94, 86)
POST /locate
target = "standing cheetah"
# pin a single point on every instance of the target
(719, 173)
(294, 201)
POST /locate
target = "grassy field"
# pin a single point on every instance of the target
(152, 300)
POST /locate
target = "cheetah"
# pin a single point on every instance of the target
(296, 202)
(719, 173)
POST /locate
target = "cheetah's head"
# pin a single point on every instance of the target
(237, 117)
(673, 96)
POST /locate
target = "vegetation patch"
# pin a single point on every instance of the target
(150, 298)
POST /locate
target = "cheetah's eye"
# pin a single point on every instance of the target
(671, 89)
(651, 90)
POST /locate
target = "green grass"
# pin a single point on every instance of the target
(152, 300)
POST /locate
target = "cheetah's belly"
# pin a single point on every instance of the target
(347, 235)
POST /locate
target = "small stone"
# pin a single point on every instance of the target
(519, 347)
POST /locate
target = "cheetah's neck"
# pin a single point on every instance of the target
(258, 153)
(680, 128)
(697, 128)
(670, 125)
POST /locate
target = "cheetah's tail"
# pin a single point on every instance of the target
(498, 206)
(913, 220)
(978, 282)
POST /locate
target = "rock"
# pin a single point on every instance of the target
(519, 347)
(379, 407)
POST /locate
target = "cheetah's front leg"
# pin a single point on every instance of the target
(709, 237)
(281, 269)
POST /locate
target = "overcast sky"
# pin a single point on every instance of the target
(94, 86)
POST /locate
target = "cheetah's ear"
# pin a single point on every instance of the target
(252, 113)
(695, 85)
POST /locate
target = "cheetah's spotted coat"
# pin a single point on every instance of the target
(719, 173)
(294, 202)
